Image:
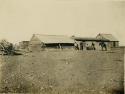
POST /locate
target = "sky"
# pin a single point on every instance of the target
(19, 19)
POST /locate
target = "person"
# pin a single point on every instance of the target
(93, 46)
(76, 46)
(103, 45)
(43, 46)
(87, 47)
(81, 45)
(60, 46)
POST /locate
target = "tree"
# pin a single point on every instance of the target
(6, 47)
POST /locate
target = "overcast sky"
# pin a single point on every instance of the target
(19, 19)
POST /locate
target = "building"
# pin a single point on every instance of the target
(23, 45)
(87, 43)
(40, 42)
(109, 40)
(112, 41)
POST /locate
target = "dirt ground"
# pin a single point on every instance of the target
(63, 72)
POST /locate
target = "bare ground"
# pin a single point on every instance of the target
(63, 72)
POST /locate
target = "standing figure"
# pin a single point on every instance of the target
(87, 47)
(43, 46)
(81, 45)
(76, 46)
(103, 46)
(93, 46)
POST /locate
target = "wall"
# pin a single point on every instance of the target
(23, 44)
(34, 44)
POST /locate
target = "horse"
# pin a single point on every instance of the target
(103, 46)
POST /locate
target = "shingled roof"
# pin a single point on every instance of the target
(109, 37)
(54, 38)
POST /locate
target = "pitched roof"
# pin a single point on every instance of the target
(54, 38)
(88, 39)
(109, 37)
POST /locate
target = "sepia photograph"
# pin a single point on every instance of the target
(62, 46)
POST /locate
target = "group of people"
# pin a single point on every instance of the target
(103, 46)
(82, 45)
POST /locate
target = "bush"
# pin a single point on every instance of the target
(6, 47)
